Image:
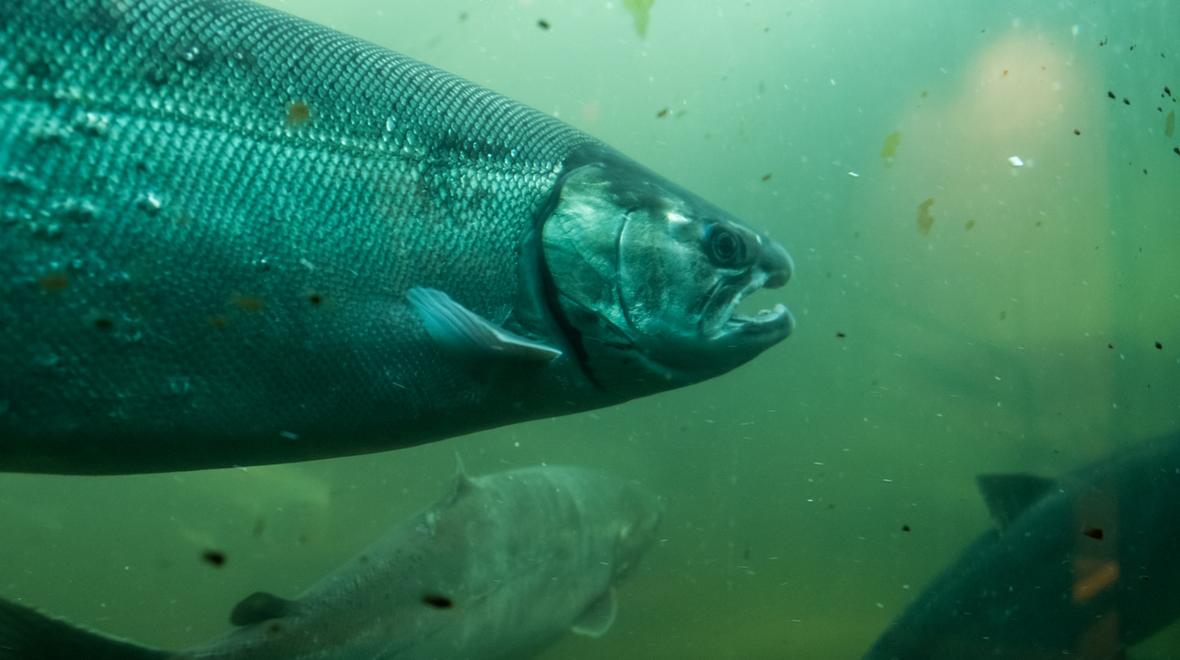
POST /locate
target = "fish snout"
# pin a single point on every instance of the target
(775, 262)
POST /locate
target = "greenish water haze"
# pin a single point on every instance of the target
(1017, 333)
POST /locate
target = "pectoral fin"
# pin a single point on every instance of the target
(597, 619)
(465, 334)
(260, 606)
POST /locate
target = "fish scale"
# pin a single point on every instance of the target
(200, 163)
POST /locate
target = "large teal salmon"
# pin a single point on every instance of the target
(501, 567)
(229, 236)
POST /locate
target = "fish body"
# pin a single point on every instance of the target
(1084, 566)
(229, 236)
(499, 568)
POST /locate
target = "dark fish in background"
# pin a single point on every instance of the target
(229, 236)
(1082, 566)
(499, 568)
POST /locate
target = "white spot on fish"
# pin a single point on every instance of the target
(93, 124)
(180, 386)
(149, 203)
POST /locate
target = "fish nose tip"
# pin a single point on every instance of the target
(777, 264)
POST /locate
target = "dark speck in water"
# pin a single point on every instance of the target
(1111, 95)
(766, 177)
(1159, 346)
(315, 298)
(840, 334)
(1094, 533)
(1126, 101)
(1110, 346)
(438, 601)
(905, 528)
(662, 113)
(103, 323)
(925, 220)
(543, 24)
(274, 628)
(214, 558)
(1076, 132)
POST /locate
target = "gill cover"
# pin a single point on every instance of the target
(646, 277)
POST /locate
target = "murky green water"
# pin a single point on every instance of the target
(1010, 324)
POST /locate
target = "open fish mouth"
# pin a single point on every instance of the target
(723, 321)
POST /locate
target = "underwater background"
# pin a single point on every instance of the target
(983, 205)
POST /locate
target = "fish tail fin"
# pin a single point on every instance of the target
(26, 633)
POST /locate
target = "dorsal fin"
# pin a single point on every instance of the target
(1009, 495)
(463, 483)
(260, 606)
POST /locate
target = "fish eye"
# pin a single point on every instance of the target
(724, 247)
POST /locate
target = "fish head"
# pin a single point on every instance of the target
(634, 527)
(646, 277)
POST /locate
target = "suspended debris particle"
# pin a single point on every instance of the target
(1105, 40)
(766, 177)
(1004, 74)
(103, 323)
(298, 114)
(925, 220)
(970, 225)
(1176, 150)
(640, 11)
(438, 601)
(925, 93)
(1077, 132)
(543, 24)
(1111, 95)
(1094, 533)
(1016, 161)
(1126, 101)
(315, 298)
(889, 148)
(663, 112)
(1110, 346)
(54, 281)
(840, 334)
(215, 558)
(248, 303)
(1003, 315)
(462, 16)
(905, 528)
(1159, 346)
(1170, 124)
